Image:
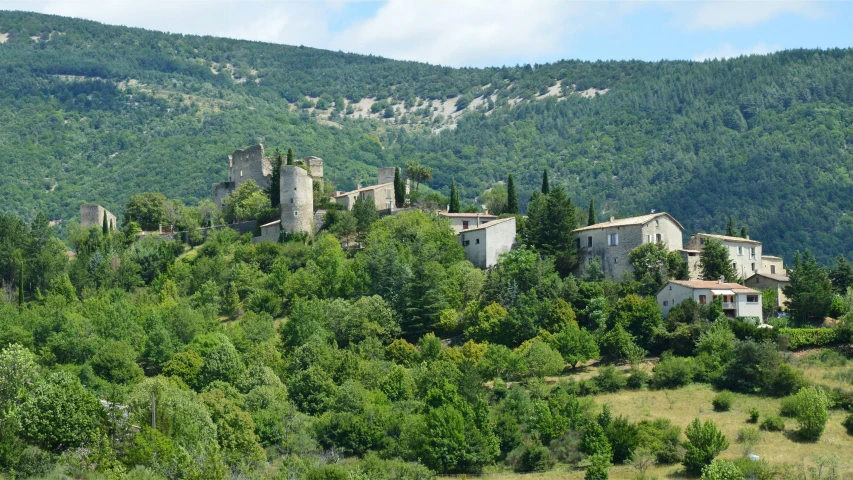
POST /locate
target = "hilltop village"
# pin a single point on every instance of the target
(602, 247)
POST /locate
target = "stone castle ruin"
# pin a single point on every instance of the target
(92, 214)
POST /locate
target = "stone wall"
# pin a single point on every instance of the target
(92, 214)
(220, 191)
(249, 164)
(297, 200)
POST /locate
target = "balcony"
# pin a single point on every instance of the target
(729, 306)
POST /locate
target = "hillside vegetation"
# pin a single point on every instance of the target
(95, 113)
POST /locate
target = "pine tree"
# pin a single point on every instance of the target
(714, 261)
(231, 304)
(290, 156)
(455, 207)
(105, 227)
(546, 189)
(399, 189)
(809, 291)
(743, 232)
(730, 228)
(511, 197)
(590, 220)
(275, 179)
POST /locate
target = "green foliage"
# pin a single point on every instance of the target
(610, 380)
(511, 197)
(809, 291)
(811, 412)
(116, 362)
(673, 372)
(721, 470)
(723, 401)
(715, 263)
(546, 188)
(576, 345)
(809, 337)
(754, 413)
(247, 202)
(533, 457)
(704, 443)
(146, 209)
(454, 206)
(847, 423)
(773, 423)
(624, 437)
(663, 439)
(598, 468)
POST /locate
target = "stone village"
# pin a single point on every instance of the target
(485, 237)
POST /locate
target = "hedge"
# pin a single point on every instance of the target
(809, 337)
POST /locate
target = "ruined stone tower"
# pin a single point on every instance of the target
(244, 165)
(297, 199)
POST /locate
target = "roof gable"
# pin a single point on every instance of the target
(630, 221)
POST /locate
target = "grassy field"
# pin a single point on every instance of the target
(681, 406)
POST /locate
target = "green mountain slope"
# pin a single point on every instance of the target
(97, 113)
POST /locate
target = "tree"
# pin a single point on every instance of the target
(809, 291)
(365, 213)
(511, 197)
(715, 263)
(653, 265)
(576, 345)
(247, 202)
(841, 275)
(116, 362)
(399, 189)
(590, 219)
(274, 191)
(60, 414)
(454, 206)
(146, 209)
(704, 443)
(290, 157)
(743, 233)
(105, 228)
(811, 412)
(418, 173)
(722, 470)
(730, 227)
(546, 189)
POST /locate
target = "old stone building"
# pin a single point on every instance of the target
(745, 254)
(464, 221)
(381, 195)
(92, 214)
(297, 200)
(613, 240)
(770, 281)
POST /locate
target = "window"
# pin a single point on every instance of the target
(752, 299)
(658, 237)
(615, 259)
(752, 253)
(296, 213)
(477, 241)
(773, 269)
(753, 266)
(609, 240)
(241, 173)
(703, 300)
(578, 243)
(291, 200)
(734, 266)
(466, 242)
(740, 250)
(613, 239)
(701, 241)
(589, 242)
(665, 303)
(464, 224)
(648, 239)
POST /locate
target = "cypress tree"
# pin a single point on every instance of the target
(730, 228)
(290, 156)
(105, 227)
(742, 232)
(590, 219)
(275, 179)
(455, 207)
(545, 187)
(511, 197)
(399, 189)
(21, 286)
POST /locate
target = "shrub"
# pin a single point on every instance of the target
(598, 469)
(812, 413)
(704, 442)
(663, 439)
(753, 415)
(749, 437)
(723, 401)
(610, 380)
(624, 437)
(533, 457)
(721, 470)
(772, 423)
(788, 406)
(848, 424)
(637, 379)
(673, 372)
(787, 380)
(809, 337)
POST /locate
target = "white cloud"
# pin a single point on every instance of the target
(718, 15)
(727, 50)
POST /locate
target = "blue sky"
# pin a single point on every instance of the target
(490, 32)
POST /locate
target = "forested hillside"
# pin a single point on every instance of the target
(98, 113)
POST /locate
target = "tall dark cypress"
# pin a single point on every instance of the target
(511, 197)
(743, 233)
(21, 287)
(399, 189)
(546, 189)
(730, 228)
(590, 219)
(455, 207)
(105, 227)
(290, 156)
(275, 179)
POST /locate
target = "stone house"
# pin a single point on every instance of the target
(613, 240)
(382, 196)
(737, 300)
(744, 253)
(465, 221)
(770, 281)
(92, 214)
(772, 265)
(483, 244)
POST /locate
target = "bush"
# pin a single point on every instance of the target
(812, 413)
(610, 380)
(704, 443)
(723, 401)
(624, 437)
(637, 379)
(749, 437)
(663, 439)
(772, 423)
(753, 415)
(848, 424)
(809, 337)
(533, 457)
(598, 469)
(673, 372)
(788, 406)
(721, 470)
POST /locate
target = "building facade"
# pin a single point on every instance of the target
(92, 214)
(773, 265)
(465, 221)
(770, 281)
(381, 195)
(612, 241)
(745, 254)
(297, 200)
(484, 244)
(737, 300)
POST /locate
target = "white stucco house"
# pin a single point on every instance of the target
(467, 221)
(485, 243)
(738, 300)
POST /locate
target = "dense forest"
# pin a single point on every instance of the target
(96, 113)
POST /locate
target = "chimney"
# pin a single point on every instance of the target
(485, 210)
(612, 218)
(747, 237)
(722, 280)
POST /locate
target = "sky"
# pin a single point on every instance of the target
(479, 33)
